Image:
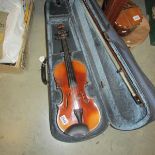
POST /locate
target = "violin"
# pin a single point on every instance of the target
(77, 113)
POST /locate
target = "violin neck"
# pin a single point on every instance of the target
(68, 63)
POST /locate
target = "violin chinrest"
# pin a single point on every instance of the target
(77, 130)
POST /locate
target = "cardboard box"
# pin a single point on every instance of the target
(3, 18)
(19, 66)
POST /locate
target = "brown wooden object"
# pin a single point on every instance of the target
(113, 9)
(138, 35)
(129, 18)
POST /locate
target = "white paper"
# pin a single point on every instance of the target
(14, 30)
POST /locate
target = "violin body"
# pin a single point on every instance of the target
(75, 98)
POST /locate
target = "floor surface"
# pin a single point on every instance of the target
(24, 124)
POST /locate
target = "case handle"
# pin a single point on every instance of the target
(43, 72)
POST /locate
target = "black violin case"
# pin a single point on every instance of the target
(106, 86)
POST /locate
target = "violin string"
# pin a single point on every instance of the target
(69, 63)
(71, 72)
(65, 60)
(66, 54)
